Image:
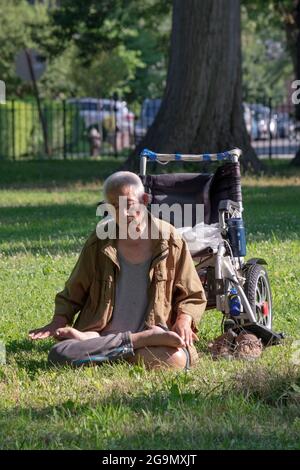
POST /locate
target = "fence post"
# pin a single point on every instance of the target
(13, 129)
(64, 130)
(270, 133)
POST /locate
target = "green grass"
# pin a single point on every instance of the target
(47, 210)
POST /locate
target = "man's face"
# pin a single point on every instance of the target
(129, 208)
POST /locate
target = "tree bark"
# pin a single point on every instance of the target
(201, 109)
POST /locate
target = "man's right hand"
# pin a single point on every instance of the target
(48, 330)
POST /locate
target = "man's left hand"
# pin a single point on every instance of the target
(182, 327)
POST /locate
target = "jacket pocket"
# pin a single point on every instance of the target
(164, 280)
(105, 289)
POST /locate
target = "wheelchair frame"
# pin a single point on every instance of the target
(229, 271)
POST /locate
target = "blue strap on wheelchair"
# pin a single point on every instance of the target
(149, 154)
(205, 157)
(223, 156)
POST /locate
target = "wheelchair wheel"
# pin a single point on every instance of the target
(258, 291)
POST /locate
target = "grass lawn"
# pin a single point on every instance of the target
(47, 210)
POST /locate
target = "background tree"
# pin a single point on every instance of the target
(114, 41)
(202, 104)
(291, 17)
(20, 24)
(122, 44)
(284, 15)
(266, 64)
(98, 47)
(15, 34)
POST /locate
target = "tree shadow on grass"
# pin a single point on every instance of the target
(26, 344)
(57, 173)
(270, 214)
(23, 352)
(54, 229)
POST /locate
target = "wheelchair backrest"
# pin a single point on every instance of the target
(193, 188)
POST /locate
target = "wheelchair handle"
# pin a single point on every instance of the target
(164, 158)
(229, 155)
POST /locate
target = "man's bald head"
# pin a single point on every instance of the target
(116, 182)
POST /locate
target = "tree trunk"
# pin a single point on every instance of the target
(202, 106)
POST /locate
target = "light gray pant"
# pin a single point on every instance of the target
(105, 348)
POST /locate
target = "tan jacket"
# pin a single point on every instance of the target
(174, 285)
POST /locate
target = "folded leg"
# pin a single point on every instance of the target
(95, 350)
(156, 357)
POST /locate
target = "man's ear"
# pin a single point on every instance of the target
(146, 199)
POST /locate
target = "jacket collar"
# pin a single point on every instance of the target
(159, 245)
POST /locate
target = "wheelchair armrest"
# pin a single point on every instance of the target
(229, 206)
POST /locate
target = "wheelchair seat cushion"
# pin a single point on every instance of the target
(196, 188)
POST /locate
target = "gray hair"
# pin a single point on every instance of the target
(120, 179)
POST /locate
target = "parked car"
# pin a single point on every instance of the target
(247, 117)
(104, 113)
(149, 111)
(285, 125)
(265, 121)
(250, 122)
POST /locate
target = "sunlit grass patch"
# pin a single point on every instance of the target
(216, 405)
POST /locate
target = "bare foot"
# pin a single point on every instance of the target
(71, 333)
(156, 336)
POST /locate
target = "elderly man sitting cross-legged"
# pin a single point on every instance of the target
(138, 296)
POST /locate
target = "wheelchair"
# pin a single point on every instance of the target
(238, 288)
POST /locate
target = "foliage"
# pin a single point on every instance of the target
(93, 48)
(114, 41)
(108, 72)
(267, 65)
(15, 34)
(99, 47)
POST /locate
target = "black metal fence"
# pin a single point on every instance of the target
(71, 128)
(273, 127)
(91, 127)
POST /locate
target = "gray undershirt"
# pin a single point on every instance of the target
(131, 299)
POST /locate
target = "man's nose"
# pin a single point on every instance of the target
(126, 212)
